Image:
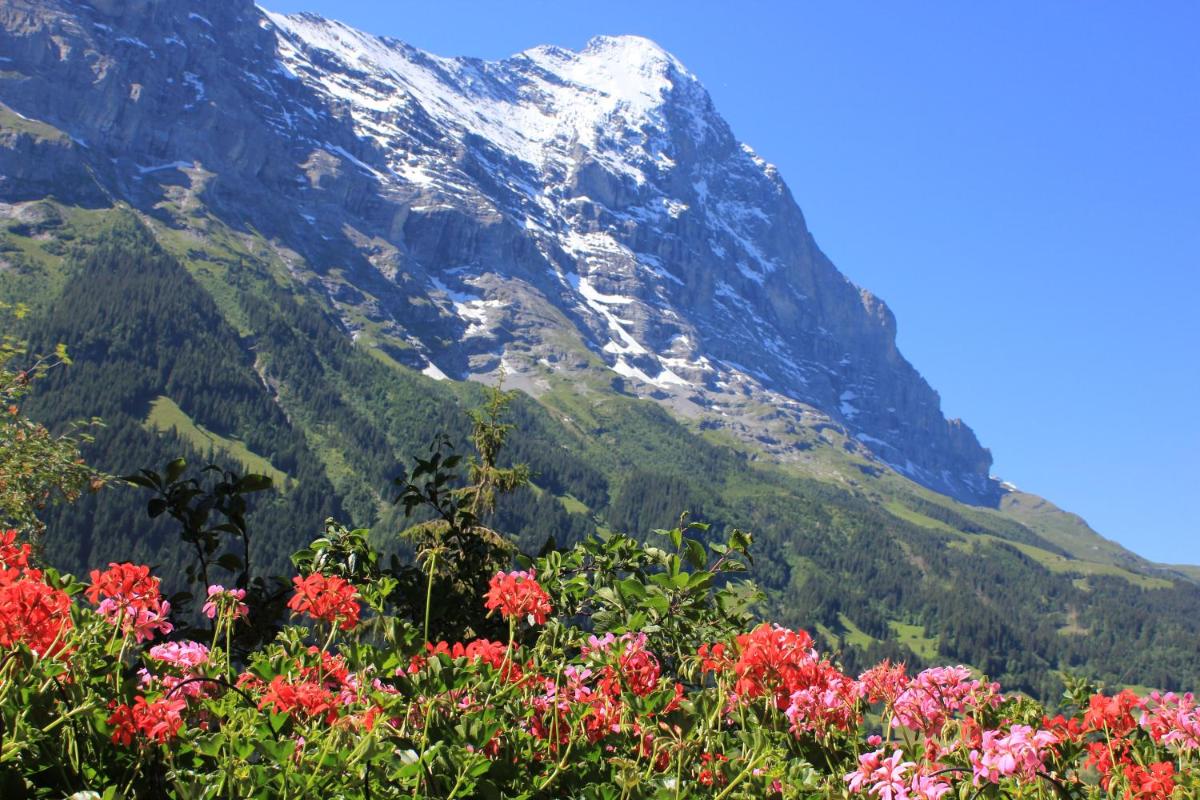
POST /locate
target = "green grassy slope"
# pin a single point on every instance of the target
(14, 122)
(1063, 528)
(166, 415)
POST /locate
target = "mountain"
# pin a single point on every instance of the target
(295, 247)
(555, 211)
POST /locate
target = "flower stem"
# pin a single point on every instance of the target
(429, 590)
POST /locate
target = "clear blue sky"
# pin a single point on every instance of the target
(1019, 181)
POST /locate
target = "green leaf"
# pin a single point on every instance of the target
(175, 469)
(253, 483)
(676, 537)
(230, 562)
(631, 588)
(210, 746)
(145, 481)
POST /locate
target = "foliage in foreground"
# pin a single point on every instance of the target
(627, 671)
(37, 467)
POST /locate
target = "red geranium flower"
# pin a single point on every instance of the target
(34, 614)
(158, 721)
(1065, 729)
(13, 556)
(305, 698)
(495, 654)
(884, 682)
(326, 598)
(640, 669)
(1105, 756)
(712, 769)
(713, 658)
(1114, 714)
(124, 725)
(771, 661)
(517, 595)
(129, 584)
(1152, 782)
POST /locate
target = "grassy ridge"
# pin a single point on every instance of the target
(165, 415)
(14, 122)
(1051, 561)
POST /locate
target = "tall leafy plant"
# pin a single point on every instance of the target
(456, 553)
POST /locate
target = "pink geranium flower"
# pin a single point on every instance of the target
(1021, 753)
(219, 598)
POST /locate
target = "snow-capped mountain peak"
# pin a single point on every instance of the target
(563, 214)
(537, 106)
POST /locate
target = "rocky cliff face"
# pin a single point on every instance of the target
(557, 214)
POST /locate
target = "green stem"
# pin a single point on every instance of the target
(558, 768)
(229, 648)
(424, 743)
(505, 670)
(678, 772)
(457, 783)
(429, 590)
(325, 745)
(333, 627)
(120, 663)
(741, 776)
(60, 720)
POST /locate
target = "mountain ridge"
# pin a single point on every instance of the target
(615, 197)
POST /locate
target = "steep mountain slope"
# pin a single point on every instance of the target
(552, 212)
(268, 227)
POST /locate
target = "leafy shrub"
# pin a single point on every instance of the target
(37, 466)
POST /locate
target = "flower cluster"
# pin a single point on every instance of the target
(1113, 721)
(1172, 719)
(222, 600)
(1022, 752)
(936, 694)
(326, 598)
(518, 595)
(13, 556)
(1115, 715)
(308, 698)
(128, 598)
(155, 721)
(884, 682)
(829, 700)
(893, 778)
(32, 612)
(769, 661)
(186, 661)
(557, 710)
(1150, 782)
(497, 655)
(783, 666)
(597, 701)
(317, 685)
